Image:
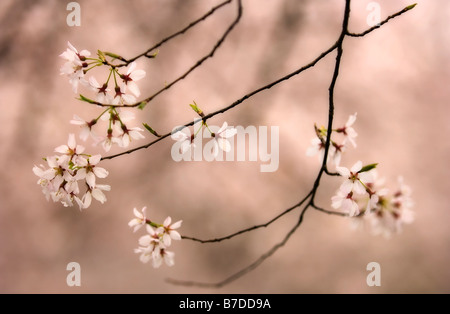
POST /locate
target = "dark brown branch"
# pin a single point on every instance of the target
(333, 174)
(236, 103)
(410, 7)
(251, 228)
(269, 86)
(247, 269)
(337, 65)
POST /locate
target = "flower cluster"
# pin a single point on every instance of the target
(124, 92)
(362, 195)
(336, 148)
(75, 66)
(60, 180)
(220, 138)
(388, 212)
(118, 132)
(153, 246)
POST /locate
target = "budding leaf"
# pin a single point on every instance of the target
(409, 7)
(82, 98)
(142, 104)
(197, 109)
(151, 130)
(113, 55)
(153, 55)
(368, 168)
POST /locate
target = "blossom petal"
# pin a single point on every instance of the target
(100, 172)
(179, 136)
(72, 142)
(169, 258)
(90, 179)
(175, 235)
(138, 213)
(99, 195)
(224, 126)
(145, 240)
(167, 221)
(81, 174)
(228, 133)
(167, 240)
(131, 68)
(356, 167)
(343, 171)
(93, 160)
(137, 75)
(176, 225)
(77, 120)
(366, 177)
(62, 149)
(134, 89)
(103, 187)
(87, 200)
(134, 222)
(351, 120)
(346, 187)
(224, 144)
(358, 188)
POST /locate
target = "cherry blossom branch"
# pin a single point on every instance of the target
(330, 212)
(332, 174)
(409, 7)
(144, 102)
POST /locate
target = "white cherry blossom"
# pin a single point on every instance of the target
(169, 231)
(346, 203)
(139, 220)
(86, 127)
(131, 77)
(102, 95)
(355, 181)
(348, 131)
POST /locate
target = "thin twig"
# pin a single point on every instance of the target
(381, 23)
(251, 228)
(329, 211)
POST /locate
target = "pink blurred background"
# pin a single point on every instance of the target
(396, 78)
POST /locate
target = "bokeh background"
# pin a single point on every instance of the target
(396, 78)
